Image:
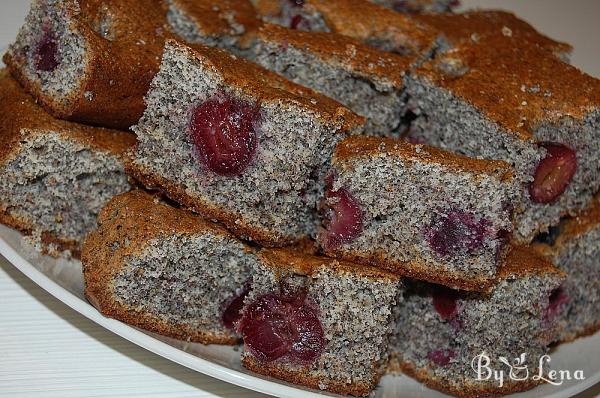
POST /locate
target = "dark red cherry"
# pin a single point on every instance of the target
(224, 134)
(274, 326)
(557, 300)
(343, 218)
(441, 357)
(553, 174)
(445, 302)
(233, 309)
(456, 231)
(45, 55)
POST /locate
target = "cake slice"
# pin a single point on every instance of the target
(318, 322)
(445, 338)
(472, 26)
(418, 6)
(92, 61)
(496, 98)
(419, 211)
(55, 176)
(238, 143)
(166, 270)
(366, 80)
(575, 249)
(362, 20)
(225, 24)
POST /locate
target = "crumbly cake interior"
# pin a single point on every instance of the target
(506, 323)
(355, 313)
(185, 280)
(60, 186)
(579, 259)
(383, 107)
(49, 21)
(279, 189)
(436, 124)
(396, 217)
(418, 6)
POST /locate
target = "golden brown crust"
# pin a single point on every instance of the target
(473, 25)
(25, 118)
(118, 71)
(364, 146)
(233, 222)
(581, 224)
(219, 18)
(264, 85)
(417, 270)
(307, 264)
(342, 51)
(517, 86)
(464, 391)
(301, 377)
(525, 260)
(369, 22)
(126, 224)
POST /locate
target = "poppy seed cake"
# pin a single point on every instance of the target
(418, 6)
(225, 24)
(318, 322)
(55, 176)
(575, 251)
(419, 211)
(367, 81)
(441, 334)
(541, 114)
(166, 270)
(216, 137)
(369, 23)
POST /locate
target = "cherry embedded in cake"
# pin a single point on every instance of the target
(343, 218)
(456, 231)
(553, 174)
(445, 302)
(234, 306)
(441, 357)
(224, 132)
(46, 57)
(274, 326)
(557, 299)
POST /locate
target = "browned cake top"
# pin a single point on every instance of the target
(300, 262)
(141, 217)
(523, 261)
(21, 115)
(342, 51)
(584, 222)
(356, 147)
(366, 21)
(519, 87)
(220, 17)
(473, 25)
(264, 85)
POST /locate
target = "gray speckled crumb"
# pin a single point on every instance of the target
(60, 185)
(278, 192)
(64, 84)
(355, 313)
(450, 123)
(378, 101)
(399, 199)
(506, 323)
(185, 279)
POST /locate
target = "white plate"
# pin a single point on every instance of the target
(63, 279)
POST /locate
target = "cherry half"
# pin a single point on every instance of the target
(45, 55)
(224, 134)
(553, 174)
